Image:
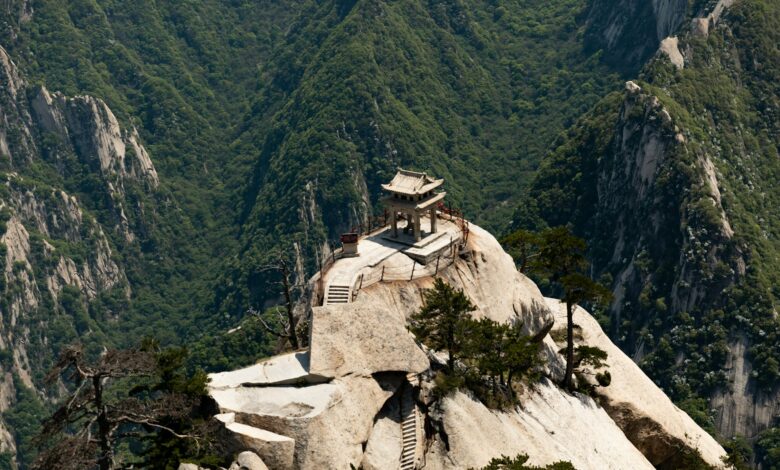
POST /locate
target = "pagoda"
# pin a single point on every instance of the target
(412, 194)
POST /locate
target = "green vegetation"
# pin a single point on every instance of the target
(482, 355)
(560, 259)
(518, 463)
(443, 321)
(252, 111)
(768, 449)
(265, 120)
(126, 404)
(470, 91)
(689, 290)
(24, 420)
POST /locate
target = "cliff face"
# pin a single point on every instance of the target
(362, 394)
(668, 181)
(59, 260)
(630, 31)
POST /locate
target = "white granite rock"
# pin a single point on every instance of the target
(648, 417)
(362, 338)
(549, 425)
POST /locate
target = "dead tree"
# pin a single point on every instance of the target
(289, 325)
(83, 432)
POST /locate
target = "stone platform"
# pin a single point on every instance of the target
(430, 246)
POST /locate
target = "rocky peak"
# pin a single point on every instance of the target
(361, 394)
(10, 74)
(53, 246)
(96, 135)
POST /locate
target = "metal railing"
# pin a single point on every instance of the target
(410, 271)
(393, 273)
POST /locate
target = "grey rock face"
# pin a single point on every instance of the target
(75, 138)
(630, 31)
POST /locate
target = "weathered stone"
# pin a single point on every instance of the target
(285, 369)
(488, 277)
(645, 414)
(188, 466)
(250, 461)
(700, 27)
(274, 449)
(366, 348)
(670, 47)
(550, 426)
(362, 338)
(383, 449)
(329, 422)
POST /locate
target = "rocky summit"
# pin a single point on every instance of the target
(361, 393)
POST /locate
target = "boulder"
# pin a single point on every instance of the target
(277, 450)
(383, 449)
(632, 87)
(700, 27)
(248, 461)
(328, 422)
(646, 415)
(670, 47)
(189, 466)
(362, 339)
(285, 369)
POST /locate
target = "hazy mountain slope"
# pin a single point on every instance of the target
(674, 184)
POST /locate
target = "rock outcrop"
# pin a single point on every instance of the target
(646, 415)
(630, 31)
(96, 135)
(364, 377)
(51, 243)
(551, 425)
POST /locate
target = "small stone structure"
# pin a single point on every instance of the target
(412, 194)
(349, 244)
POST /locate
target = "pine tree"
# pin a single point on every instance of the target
(442, 322)
(562, 258)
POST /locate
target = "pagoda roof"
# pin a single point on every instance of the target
(412, 183)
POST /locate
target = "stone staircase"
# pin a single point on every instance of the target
(337, 294)
(409, 427)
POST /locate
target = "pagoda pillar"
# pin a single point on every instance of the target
(417, 235)
(433, 220)
(395, 222)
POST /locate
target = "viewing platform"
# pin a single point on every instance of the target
(384, 258)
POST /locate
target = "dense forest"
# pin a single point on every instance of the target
(256, 111)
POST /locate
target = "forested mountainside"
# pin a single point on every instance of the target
(271, 124)
(674, 184)
(157, 153)
(469, 91)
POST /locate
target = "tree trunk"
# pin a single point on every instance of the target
(567, 379)
(293, 333)
(450, 347)
(106, 460)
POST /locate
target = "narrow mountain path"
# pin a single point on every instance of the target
(409, 425)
